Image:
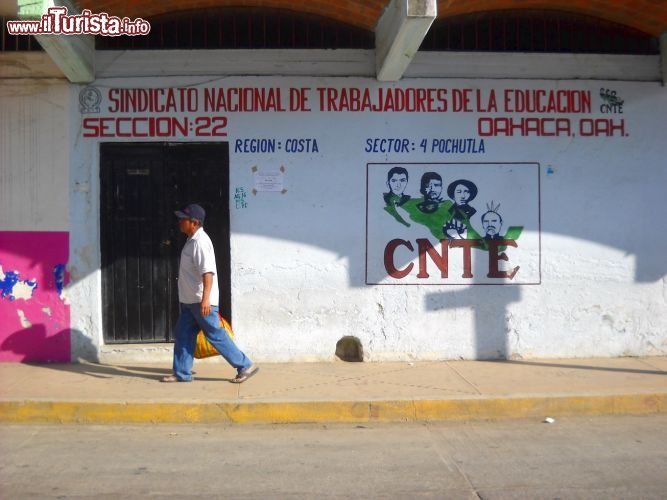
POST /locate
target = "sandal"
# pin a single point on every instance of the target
(172, 378)
(244, 375)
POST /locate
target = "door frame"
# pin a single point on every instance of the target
(178, 164)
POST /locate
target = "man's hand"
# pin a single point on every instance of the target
(205, 307)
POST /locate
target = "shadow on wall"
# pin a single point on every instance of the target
(34, 345)
(489, 306)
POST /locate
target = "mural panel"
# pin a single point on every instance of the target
(453, 223)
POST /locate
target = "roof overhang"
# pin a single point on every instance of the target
(399, 33)
(73, 54)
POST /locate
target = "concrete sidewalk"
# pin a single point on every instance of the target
(333, 392)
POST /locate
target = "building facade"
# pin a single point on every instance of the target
(481, 205)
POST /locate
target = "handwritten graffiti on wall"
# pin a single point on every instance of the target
(35, 315)
(453, 223)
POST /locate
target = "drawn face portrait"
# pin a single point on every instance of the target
(461, 194)
(397, 183)
(491, 222)
(433, 190)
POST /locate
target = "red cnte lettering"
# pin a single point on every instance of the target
(467, 260)
(389, 259)
(440, 259)
(494, 257)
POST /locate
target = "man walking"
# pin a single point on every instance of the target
(198, 295)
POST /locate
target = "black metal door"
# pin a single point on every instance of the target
(141, 186)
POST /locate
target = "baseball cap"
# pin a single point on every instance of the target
(192, 211)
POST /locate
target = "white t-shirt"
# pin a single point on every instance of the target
(197, 258)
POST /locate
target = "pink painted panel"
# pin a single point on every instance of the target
(34, 313)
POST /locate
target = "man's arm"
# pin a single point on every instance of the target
(207, 278)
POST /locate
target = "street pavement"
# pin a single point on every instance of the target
(575, 458)
(337, 391)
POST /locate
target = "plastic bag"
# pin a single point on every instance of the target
(203, 348)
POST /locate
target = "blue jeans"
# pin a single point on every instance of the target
(188, 325)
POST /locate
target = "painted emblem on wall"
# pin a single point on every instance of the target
(89, 100)
(448, 223)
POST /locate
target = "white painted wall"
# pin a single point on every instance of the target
(34, 155)
(299, 258)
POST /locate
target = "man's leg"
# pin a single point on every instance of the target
(185, 336)
(217, 336)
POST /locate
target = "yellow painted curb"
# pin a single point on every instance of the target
(329, 411)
